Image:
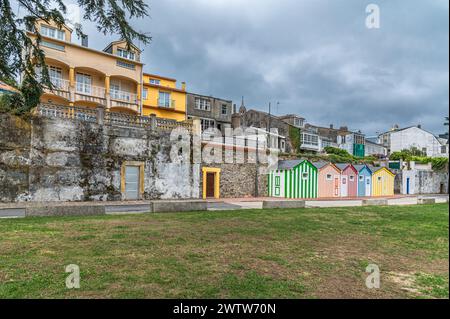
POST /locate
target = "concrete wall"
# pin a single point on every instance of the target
(423, 182)
(54, 159)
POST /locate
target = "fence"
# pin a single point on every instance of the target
(104, 117)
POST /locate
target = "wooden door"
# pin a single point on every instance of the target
(210, 181)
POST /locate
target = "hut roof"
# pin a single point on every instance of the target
(320, 164)
(288, 164)
(359, 167)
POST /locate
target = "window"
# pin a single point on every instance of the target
(83, 83)
(125, 54)
(224, 109)
(164, 99)
(277, 180)
(368, 181)
(55, 74)
(282, 144)
(352, 178)
(145, 94)
(52, 32)
(344, 180)
(125, 65)
(443, 149)
(202, 104)
(361, 178)
(206, 124)
(309, 139)
(155, 82)
(298, 122)
(329, 177)
(52, 45)
(305, 175)
(379, 178)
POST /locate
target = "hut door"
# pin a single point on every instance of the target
(368, 186)
(344, 190)
(210, 180)
(407, 186)
(336, 186)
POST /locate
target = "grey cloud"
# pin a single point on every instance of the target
(316, 58)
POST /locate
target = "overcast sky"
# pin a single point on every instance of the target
(317, 58)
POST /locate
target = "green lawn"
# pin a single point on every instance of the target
(297, 253)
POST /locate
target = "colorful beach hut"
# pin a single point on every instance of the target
(382, 182)
(349, 182)
(293, 179)
(329, 179)
(364, 180)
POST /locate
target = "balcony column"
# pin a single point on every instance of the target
(72, 85)
(107, 91)
(138, 97)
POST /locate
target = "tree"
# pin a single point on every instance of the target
(19, 55)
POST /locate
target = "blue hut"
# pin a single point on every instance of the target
(364, 180)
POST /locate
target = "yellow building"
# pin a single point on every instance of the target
(383, 182)
(85, 77)
(162, 97)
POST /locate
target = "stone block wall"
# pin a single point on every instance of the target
(57, 159)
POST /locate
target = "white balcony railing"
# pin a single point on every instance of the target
(59, 83)
(91, 90)
(123, 96)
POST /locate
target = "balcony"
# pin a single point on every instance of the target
(166, 103)
(90, 93)
(61, 87)
(123, 96)
(124, 100)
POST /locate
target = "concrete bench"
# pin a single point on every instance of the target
(375, 202)
(283, 204)
(426, 200)
(81, 210)
(168, 206)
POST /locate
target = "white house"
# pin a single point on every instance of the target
(413, 136)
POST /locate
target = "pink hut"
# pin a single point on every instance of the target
(349, 180)
(329, 180)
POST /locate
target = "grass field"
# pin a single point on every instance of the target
(306, 253)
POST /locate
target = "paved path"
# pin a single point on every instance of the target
(11, 210)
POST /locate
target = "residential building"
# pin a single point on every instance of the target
(309, 138)
(343, 138)
(262, 120)
(85, 77)
(375, 149)
(162, 98)
(398, 139)
(213, 112)
(293, 120)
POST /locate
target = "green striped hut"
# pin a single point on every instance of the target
(293, 179)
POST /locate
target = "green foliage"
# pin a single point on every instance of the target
(8, 101)
(437, 163)
(19, 54)
(294, 135)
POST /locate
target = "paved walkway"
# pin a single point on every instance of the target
(11, 210)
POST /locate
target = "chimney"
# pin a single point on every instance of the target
(183, 86)
(331, 126)
(234, 108)
(419, 126)
(84, 41)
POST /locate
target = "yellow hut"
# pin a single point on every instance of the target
(382, 182)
